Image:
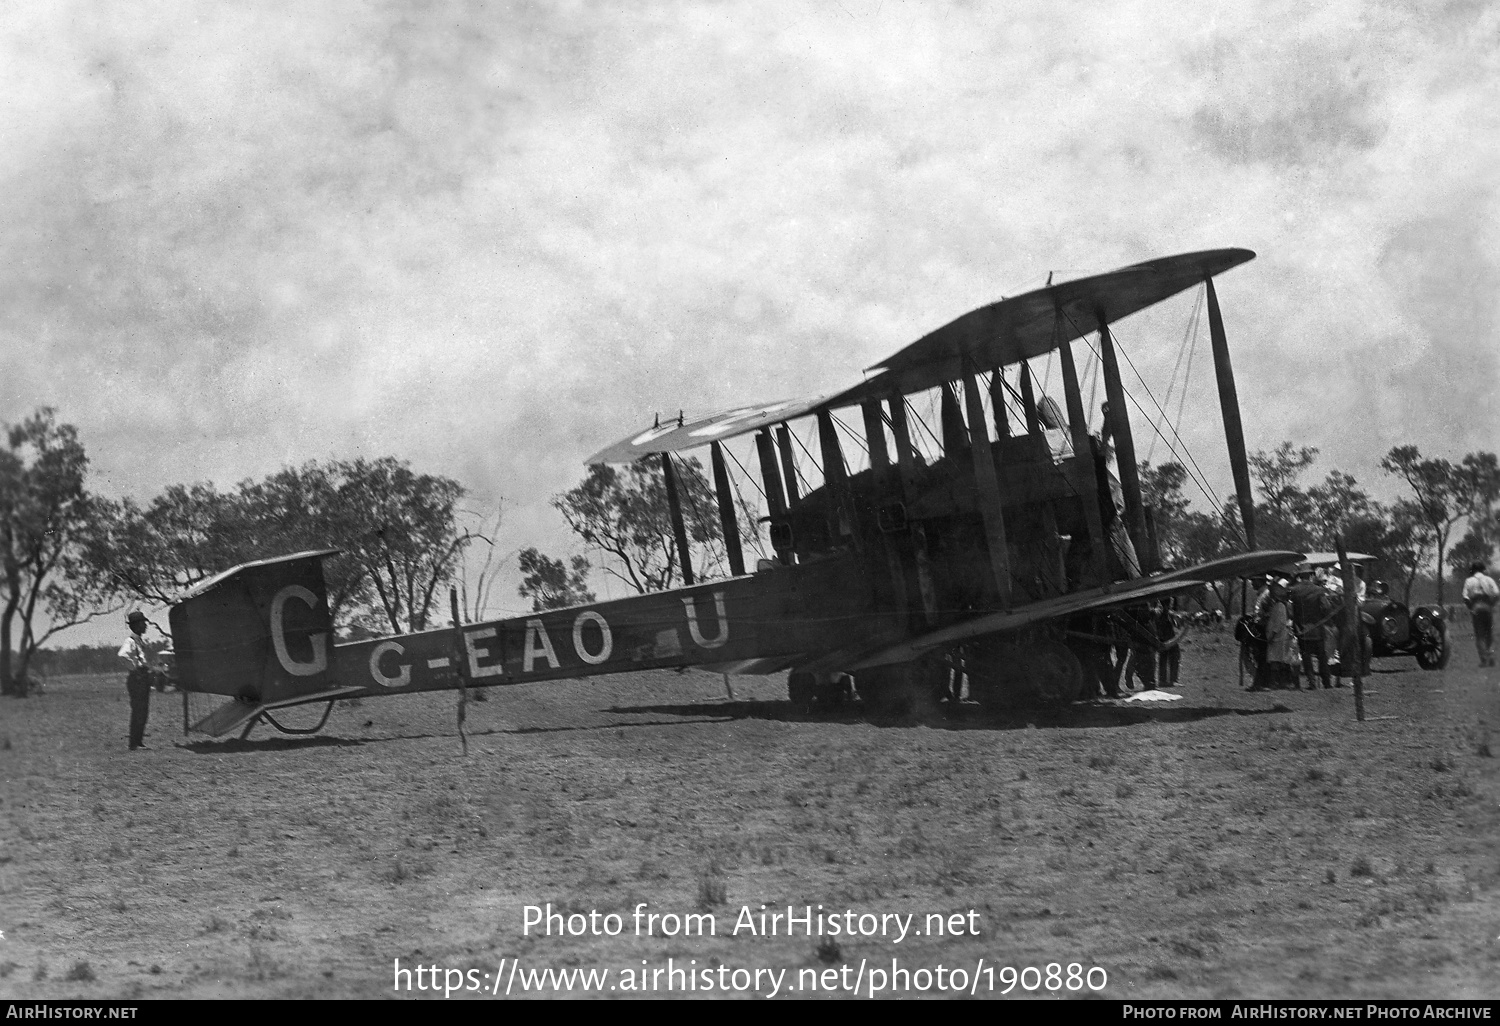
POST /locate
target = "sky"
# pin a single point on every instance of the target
(492, 238)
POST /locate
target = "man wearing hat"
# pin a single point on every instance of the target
(143, 665)
(1480, 595)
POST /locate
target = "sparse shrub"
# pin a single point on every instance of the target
(1441, 764)
(1362, 867)
(7, 967)
(81, 972)
(1331, 877)
(1124, 791)
(1101, 761)
(1483, 750)
(713, 891)
(828, 951)
(215, 925)
(1430, 895)
(1161, 972)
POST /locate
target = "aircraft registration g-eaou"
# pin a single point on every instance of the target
(1005, 537)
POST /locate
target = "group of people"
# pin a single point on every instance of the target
(1305, 630)
(1142, 648)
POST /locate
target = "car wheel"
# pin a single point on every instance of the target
(1435, 658)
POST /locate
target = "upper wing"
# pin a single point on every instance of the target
(997, 335)
(674, 435)
(1124, 593)
(1037, 322)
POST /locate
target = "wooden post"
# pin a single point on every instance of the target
(988, 484)
(679, 529)
(1229, 407)
(1084, 481)
(1028, 401)
(461, 666)
(997, 402)
(729, 523)
(1351, 611)
(788, 465)
(184, 714)
(1118, 425)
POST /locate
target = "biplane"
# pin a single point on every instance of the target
(1003, 539)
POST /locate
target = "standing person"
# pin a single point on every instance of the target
(1277, 670)
(1313, 609)
(1169, 631)
(144, 665)
(1480, 595)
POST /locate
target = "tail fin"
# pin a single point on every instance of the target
(259, 632)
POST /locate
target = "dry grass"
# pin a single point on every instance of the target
(1229, 845)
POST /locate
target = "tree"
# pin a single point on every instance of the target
(1161, 490)
(1335, 506)
(1444, 495)
(625, 513)
(552, 584)
(1285, 511)
(44, 513)
(1408, 545)
(398, 533)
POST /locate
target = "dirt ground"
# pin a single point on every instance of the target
(1230, 844)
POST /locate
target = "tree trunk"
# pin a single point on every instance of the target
(7, 684)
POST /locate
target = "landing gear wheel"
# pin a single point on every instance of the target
(1056, 675)
(801, 688)
(996, 676)
(905, 690)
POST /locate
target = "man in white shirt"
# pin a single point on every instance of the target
(1480, 595)
(144, 664)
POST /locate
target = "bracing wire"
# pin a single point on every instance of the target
(1191, 465)
(1189, 343)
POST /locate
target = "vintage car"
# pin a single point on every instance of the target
(1390, 628)
(1395, 631)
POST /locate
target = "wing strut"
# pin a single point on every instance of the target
(679, 529)
(955, 433)
(775, 498)
(997, 403)
(1028, 400)
(906, 462)
(1084, 481)
(1229, 404)
(788, 464)
(728, 523)
(989, 486)
(1118, 425)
